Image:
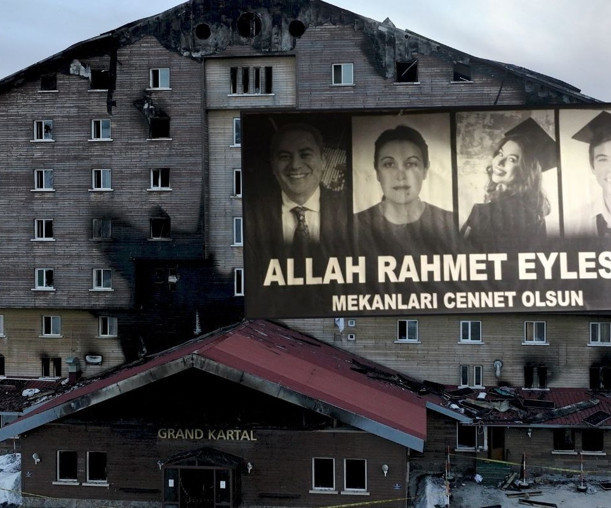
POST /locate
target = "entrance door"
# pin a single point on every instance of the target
(198, 487)
(496, 443)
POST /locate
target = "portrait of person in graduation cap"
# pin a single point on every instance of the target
(595, 217)
(513, 214)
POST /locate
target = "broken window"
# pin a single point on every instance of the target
(51, 326)
(51, 367)
(101, 228)
(159, 127)
(44, 278)
(296, 28)
(250, 80)
(67, 466)
(600, 377)
(100, 79)
(600, 333)
(107, 326)
(96, 467)
(407, 72)
(160, 228)
(160, 78)
(237, 137)
(48, 82)
(470, 331)
(102, 279)
(202, 31)
(534, 332)
(43, 130)
(462, 72)
(593, 440)
(249, 24)
(2, 366)
(535, 376)
(469, 438)
(342, 74)
(238, 282)
(237, 183)
(100, 129)
(160, 179)
(323, 473)
(564, 440)
(355, 474)
(237, 231)
(407, 330)
(471, 375)
(101, 179)
(43, 229)
(43, 179)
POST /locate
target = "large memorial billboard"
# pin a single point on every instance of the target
(440, 211)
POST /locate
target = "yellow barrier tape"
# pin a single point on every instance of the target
(368, 503)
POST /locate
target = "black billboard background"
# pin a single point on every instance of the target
(460, 144)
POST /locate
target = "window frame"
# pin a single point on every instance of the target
(99, 275)
(409, 64)
(343, 75)
(565, 445)
(101, 225)
(468, 376)
(41, 279)
(238, 232)
(51, 326)
(237, 183)
(96, 481)
(108, 326)
(43, 230)
(104, 174)
(99, 126)
(476, 430)
(595, 436)
(74, 466)
(237, 133)
(407, 337)
(238, 282)
(43, 131)
(251, 80)
(533, 333)
(467, 326)
(2, 331)
(597, 325)
(355, 489)
(42, 175)
(159, 176)
(51, 367)
(324, 489)
(538, 376)
(158, 71)
(160, 228)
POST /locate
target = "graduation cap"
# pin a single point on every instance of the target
(596, 130)
(542, 144)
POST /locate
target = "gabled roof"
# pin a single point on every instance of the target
(274, 360)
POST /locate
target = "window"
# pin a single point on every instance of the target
(43, 229)
(564, 440)
(343, 74)
(100, 129)
(600, 377)
(100, 79)
(237, 183)
(462, 72)
(2, 366)
(160, 228)
(107, 326)
(238, 282)
(355, 474)
(593, 440)
(51, 326)
(160, 179)
(534, 332)
(66, 466)
(472, 375)
(250, 80)
(535, 376)
(44, 278)
(51, 367)
(96, 467)
(407, 330)
(323, 474)
(159, 127)
(160, 78)
(471, 437)
(600, 333)
(48, 82)
(237, 137)
(101, 228)
(237, 231)
(43, 179)
(407, 72)
(43, 130)
(102, 279)
(470, 331)
(101, 179)
(2, 326)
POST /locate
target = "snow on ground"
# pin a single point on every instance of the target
(10, 480)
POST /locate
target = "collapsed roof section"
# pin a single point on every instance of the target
(201, 28)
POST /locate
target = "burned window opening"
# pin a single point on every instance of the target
(99, 80)
(323, 473)
(67, 466)
(202, 31)
(462, 72)
(592, 440)
(2, 366)
(249, 24)
(51, 367)
(535, 376)
(355, 471)
(564, 440)
(296, 28)
(158, 120)
(96, 467)
(159, 127)
(250, 80)
(600, 377)
(101, 228)
(160, 228)
(48, 82)
(407, 72)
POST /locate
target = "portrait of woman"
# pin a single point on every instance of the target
(401, 222)
(513, 214)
